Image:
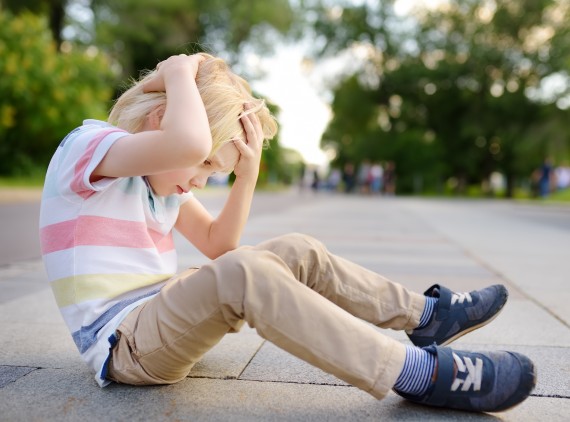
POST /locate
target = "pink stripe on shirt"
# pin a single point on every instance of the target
(78, 183)
(102, 231)
(163, 243)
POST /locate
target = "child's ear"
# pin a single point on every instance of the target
(154, 118)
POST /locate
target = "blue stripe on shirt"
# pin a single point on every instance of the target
(86, 336)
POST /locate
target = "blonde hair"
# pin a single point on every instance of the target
(223, 93)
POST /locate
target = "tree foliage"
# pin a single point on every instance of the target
(54, 10)
(140, 33)
(451, 92)
(43, 93)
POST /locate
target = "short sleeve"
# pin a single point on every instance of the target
(80, 154)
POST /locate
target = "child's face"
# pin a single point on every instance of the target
(180, 181)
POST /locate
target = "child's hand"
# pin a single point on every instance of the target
(173, 65)
(250, 150)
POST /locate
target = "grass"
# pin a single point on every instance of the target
(28, 182)
(560, 196)
(36, 181)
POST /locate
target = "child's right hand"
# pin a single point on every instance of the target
(179, 64)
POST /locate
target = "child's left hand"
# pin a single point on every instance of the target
(250, 150)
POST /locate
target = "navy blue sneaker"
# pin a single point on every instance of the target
(456, 314)
(479, 382)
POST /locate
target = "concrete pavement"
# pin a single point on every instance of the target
(462, 244)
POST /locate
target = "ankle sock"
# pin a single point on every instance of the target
(429, 309)
(417, 372)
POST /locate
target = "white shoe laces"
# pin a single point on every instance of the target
(460, 298)
(474, 373)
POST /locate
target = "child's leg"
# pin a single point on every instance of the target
(359, 291)
(161, 340)
(442, 318)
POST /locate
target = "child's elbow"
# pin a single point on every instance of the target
(193, 149)
(195, 155)
(221, 250)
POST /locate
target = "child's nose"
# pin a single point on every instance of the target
(200, 181)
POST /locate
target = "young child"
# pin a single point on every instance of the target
(115, 191)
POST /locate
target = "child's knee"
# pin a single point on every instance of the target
(247, 273)
(296, 243)
(245, 264)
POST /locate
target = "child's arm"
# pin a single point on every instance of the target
(214, 237)
(180, 140)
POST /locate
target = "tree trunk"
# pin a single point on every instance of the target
(56, 19)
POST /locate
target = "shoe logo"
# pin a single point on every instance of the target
(471, 373)
(460, 298)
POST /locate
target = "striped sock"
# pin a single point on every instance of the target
(417, 372)
(428, 311)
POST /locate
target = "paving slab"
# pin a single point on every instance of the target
(272, 364)
(9, 374)
(50, 395)
(230, 357)
(21, 279)
(526, 244)
(522, 322)
(38, 345)
(38, 306)
(276, 365)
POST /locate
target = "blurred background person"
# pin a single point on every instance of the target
(376, 174)
(545, 177)
(562, 173)
(363, 178)
(390, 178)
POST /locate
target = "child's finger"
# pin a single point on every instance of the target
(242, 147)
(153, 85)
(247, 127)
(254, 121)
(250, 123)
(258, 128)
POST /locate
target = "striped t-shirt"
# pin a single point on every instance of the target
(107, 246)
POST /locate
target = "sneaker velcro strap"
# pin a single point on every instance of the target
(445, 375)
(444, 302)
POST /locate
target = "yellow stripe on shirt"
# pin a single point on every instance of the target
(81, 288)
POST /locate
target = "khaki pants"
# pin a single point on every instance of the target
(295, 293)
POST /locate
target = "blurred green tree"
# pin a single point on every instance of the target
(140, 33)
(43, 93)
(53, 9)
(460, 86)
